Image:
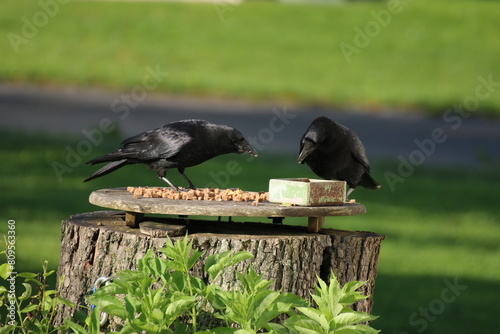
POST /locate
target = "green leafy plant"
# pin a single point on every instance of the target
(161, 296)
(161, 292)
(34, 310)
(253, 305)
(332, 314)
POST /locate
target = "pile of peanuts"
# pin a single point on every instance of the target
(204, 194)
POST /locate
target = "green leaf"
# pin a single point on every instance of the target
(129, 328)
(252, 282)
(216, 296)
(287, 300)
(29, 308)
(305, 326)
(262, 313)
(120, 285)
(219, 330)
(48, 293)
(75, 327)
(178, 281)
(93, 321)
(316, 316)
(156, 266)
(142, 263)
(104, 300)
(118, 311)
(80, 316)
(352, 298)
(178, 307)
(352, 318)
(158, 296)
(157, 315)
(277, 328)
(27, 275)
(181, 328)
(213, 260)
(5, 270)
(130, 306)
(245, 331)
(191, 261)
(364, 329)
(353, 286)
(220, 262)
(7, 329)
(27, 292)
(46, 274)
(347, 331)
(65, 302)
(181, 254)
(198, 285)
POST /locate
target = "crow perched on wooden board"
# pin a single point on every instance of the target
(333, 151)
(178, 145)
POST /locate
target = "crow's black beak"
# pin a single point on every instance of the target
(306, 150)
(246, 147)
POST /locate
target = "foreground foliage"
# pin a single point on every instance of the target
(162, 297)
(34, 310)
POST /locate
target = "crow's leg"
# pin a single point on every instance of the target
(349, 192)
(170, 183)
(191, 185)
(162, 174)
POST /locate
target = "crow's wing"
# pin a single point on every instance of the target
(163, 142)
(357, 149)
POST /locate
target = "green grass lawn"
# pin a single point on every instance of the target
(441, 225)
(423, 54)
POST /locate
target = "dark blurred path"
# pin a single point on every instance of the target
(446, 139)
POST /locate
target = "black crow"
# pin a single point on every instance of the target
(175, 145)
(335, 152)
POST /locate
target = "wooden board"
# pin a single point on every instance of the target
(121, 199)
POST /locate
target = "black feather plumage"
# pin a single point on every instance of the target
(178, 145)
(334, 152)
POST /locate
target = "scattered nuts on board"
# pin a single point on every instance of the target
(204, 194)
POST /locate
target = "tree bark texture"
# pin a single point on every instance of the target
(99, 244)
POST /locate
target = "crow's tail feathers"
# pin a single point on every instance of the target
(112, 166)
(369, 182)
(113, 156)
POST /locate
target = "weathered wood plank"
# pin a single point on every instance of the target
(121, 199)
(160, 230)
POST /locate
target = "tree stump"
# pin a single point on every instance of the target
(100, 243)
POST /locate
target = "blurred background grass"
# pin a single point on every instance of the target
(426, 56)
(441, 224)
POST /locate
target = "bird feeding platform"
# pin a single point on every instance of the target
(103, 243)
(136, 208)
